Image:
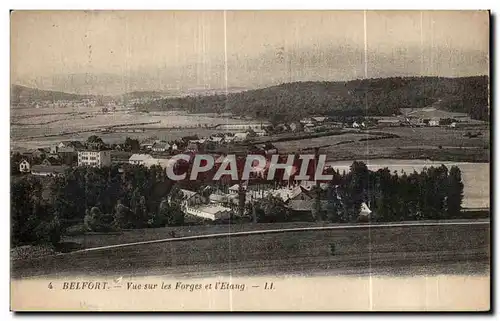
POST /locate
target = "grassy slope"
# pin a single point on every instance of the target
(387, 250)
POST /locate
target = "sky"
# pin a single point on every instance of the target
(119, 51)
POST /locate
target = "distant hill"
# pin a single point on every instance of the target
(381, 96)
(21, 95)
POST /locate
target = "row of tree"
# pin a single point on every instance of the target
(129, 197)
(382, 96)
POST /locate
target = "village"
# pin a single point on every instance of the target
(223, 201)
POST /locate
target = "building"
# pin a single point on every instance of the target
(191, 199)
(24, 166)
(240, 137)
(244, 126)
(434, 122)
(364, 212)
(211, 212)
(51, 161)
(163, 162)
(74, 144)
(267, 148)
(42, 170)
(236, 187)
(319, 119)
(391, 122)
(94, 158)
(291, 193)
(296, 127)
(147, 146)
(194, 147)
(260, 132)
(139, 159)
(217, 139)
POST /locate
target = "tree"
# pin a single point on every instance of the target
(160, 218)
(139, 210)
(97, 221)
(132, 144)
(122, 216)
(272, 209)
(455, 195)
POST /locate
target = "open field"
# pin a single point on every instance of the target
(324, 142)
(40, 127)
(425, 142)
(412, 249)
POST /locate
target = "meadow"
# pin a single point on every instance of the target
(384, 250)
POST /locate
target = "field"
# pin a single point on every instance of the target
(436, 143)
(34, 128)
(384, 250)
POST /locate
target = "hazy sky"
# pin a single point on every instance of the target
(153, 50)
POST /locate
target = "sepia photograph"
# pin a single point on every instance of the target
(250, 160)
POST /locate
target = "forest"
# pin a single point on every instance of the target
(366, 97)
(43, 209)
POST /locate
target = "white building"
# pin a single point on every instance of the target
(364, 211)
(211, 212)
(24, 166)
(139, 159)
(240, 137)
(163, 162)
(434, 122)
(95, 158)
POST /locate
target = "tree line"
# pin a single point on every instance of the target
(368, 97)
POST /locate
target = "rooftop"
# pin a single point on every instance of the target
(49, 169)
(140, 157)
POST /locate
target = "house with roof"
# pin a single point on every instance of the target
(364, 213)
(239, 137)
(303, 209)
(296, 126)
(139, 159)
(75, 144)
(24, 166)
(160, 146)
(236, 187)
(434, 122)
(42, 170)
(194, 147)
(146, 145)
(229, 138)
(319, 119)
(212, 212)
(267, 148)
(216, 139)
(191, 198)
(163, 162)
(94, 158)
(50, 161)
(291, 193)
